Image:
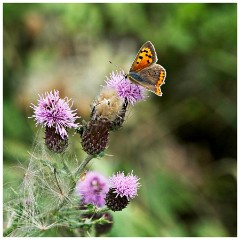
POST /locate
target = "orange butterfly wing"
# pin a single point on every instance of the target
(146, 57)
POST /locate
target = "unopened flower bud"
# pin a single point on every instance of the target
(95, 136)
(54, 141)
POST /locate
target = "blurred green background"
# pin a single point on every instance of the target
(182, 145)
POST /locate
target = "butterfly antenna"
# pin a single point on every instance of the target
(125, 75)
(116, 65)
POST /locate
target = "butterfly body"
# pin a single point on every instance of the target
(144, 70)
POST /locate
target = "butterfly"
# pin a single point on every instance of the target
(144, 70)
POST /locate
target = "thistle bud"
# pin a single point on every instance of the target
(123, 189)
(114, 201)
(54, 141)
(95, 136)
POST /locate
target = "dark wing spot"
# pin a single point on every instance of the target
(137, 62)
(149, 56)
(140, 57)
(148, 61)
(146, 55)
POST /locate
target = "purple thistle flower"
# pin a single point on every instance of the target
(52, 111)
(125, 185)
(125, 89)
(93, 189)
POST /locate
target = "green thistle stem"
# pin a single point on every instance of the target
(83, 165)
(55, 176)
(10, 230)
(78, 212)
(68, 170)
(73, 184)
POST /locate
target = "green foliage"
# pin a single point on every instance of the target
(182, 145)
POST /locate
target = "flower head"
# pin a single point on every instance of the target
(123, 189)
(53, 111)
(125, 185)
(125, 89)
(107, 105)
(93, 189)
